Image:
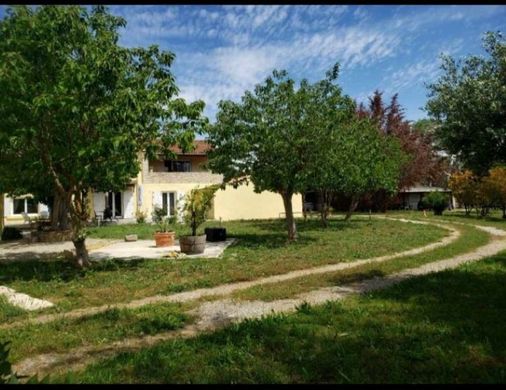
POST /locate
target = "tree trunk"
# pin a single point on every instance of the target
(59, 213)
(353, 205)
(504, 212)
(324, 212)
(290, 221)
(82, 259)
(194, 224)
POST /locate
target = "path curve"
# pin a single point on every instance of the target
(216, 314)
(229, 288)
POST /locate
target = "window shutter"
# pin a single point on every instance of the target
(180, 201)
(157, 199)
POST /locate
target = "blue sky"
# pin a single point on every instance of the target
(223, 50)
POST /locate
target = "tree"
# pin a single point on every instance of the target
(464, 186)
(422, 165)
(329, 116)
(423, 162)
(468, 101)
(263, 139)
(495, 187)
(77, 109)
(197, 204)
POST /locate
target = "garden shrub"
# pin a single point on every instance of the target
(437, 201)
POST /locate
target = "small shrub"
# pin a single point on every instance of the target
(158, 214)
(437, 201)
(140, 216)
(11, 233)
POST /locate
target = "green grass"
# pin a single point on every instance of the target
(440, 328)
(8, 311)
(494, 219)
(101, 328)
(469, 239)
(261, 250)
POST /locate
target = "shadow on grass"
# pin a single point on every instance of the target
(440, 328)
(269, 241)
(309, 225)
(61, 270)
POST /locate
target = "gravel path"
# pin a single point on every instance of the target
(216, 314)
(226, 289)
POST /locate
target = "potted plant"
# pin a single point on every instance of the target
(197, 205)
(437, 201)
(164, 235)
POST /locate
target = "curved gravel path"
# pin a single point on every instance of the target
(213, 315)
(229, 288)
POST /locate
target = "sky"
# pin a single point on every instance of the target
(223, 50)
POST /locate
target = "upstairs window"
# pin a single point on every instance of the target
(178, 166)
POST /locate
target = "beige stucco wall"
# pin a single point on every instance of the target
(229, 204)
(244, 203)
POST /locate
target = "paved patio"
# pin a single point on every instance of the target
(102, 249)
(146, 249)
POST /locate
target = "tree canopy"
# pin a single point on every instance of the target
(76, 108)
(290, 140)
(469, 103)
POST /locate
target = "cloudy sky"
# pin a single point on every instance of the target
(221, 51)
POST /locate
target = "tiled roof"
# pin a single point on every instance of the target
(202, 147)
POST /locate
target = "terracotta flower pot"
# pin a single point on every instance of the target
(164, 238)
(192, 244)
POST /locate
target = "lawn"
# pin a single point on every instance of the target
(469, 239)
(261, 250)
(440, 328)
(97, 329)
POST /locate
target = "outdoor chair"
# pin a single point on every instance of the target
(31, 221)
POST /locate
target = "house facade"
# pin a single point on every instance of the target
(165, 183)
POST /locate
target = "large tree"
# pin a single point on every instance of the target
(351, 157)
(469, 103)
(423, 163)
(76, 108)
(264, 139)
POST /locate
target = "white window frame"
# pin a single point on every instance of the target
(25, 208)
(167, 194)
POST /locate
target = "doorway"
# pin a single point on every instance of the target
(113, 202)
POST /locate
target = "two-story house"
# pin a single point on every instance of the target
(165, 183)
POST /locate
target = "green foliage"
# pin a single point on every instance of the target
(6, 374)
(289, 140)
(140, 216)
(76, 108)
(469, 103)
(158, 214)
(165, 224)
(436, 200)
(197, 204)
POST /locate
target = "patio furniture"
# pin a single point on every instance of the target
(215, 234)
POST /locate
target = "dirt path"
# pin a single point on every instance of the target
(216, 314)
(226, 289)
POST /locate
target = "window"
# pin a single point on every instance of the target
(31, 206)
(169, 203)
(25, 205)
(178, 166)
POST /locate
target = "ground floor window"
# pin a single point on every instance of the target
(25, 205)
(169, 203)
(113, 205)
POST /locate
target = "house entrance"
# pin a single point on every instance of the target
(113, 203)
